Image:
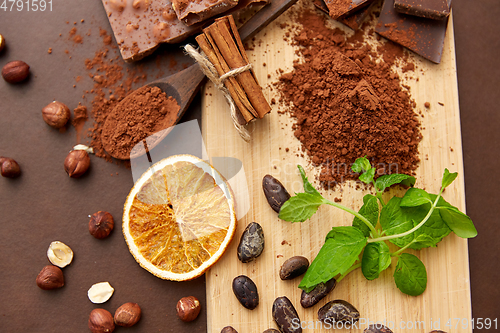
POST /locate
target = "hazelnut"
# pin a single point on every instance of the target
(2, 43)
(101, 224)
(101, 321)
(128, 314)
(50, 277)
(15, 71)
(76, 163)
(188, 308)
(59, 254)
(56, 114)
(9, 167)
(100, 292)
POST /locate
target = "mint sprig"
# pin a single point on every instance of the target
(415, 221)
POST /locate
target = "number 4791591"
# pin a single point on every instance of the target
(475, 323)
(27, 5)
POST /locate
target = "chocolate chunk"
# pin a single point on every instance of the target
(423, 36)
(194, 11)
(353, 21)
(432, 9)
(342, 8)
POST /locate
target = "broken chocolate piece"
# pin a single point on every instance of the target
(354, 20)
(195, 11)
(431, 9)
(341, 8)
(423, 36)
(140, 26)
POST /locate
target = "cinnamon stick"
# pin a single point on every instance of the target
(223, 47)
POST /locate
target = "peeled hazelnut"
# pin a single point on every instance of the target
(101, 321)
(100, 292)
(15, 71)
(50, 277)
(56, 114)
(76, 163)
(128, 314)
(9, 167)
(188, 308)
(101, 224)
(2, 43)
(59, 254)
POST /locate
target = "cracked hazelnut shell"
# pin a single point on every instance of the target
(15, 71)
(128, 314)
(101, 321)
(9, 167)
(76, 163)
(50, 277)
(56, 114)
(188, 308)
(101, 224)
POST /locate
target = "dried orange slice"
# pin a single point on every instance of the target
(179, 218)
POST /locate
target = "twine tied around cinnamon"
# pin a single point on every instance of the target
(211, 72)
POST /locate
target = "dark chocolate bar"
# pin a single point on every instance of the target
(431, 9)
(140, 26)
(423, 36)
(195, 11)
(341, 8)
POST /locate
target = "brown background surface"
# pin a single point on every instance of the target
(45, 205)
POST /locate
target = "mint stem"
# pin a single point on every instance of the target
(406, 233)
(353, 267)
(358, 215)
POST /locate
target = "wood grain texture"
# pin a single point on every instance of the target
(448, 293)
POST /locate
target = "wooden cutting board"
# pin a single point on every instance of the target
(447, 298)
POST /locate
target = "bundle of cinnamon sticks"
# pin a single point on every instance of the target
(222, 45)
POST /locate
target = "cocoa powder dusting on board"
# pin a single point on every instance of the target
(347, 102)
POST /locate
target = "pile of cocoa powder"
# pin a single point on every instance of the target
(348, 102)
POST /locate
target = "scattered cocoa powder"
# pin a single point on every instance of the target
(347, 102)
(144, 112)
(80, 116)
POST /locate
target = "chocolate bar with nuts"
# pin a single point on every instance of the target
(194, 11)
(140, 26)
(432, 9)
(341, 8)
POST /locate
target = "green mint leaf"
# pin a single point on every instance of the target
(367, 177)
(376, 258)
(386, 181)
(394, 220)
(410, 275)
(415, 197)
(308, 188)
(361, 164)
(300, 207)
(458, 222)
(370, 210)
(423, 240)
(341, 249)
(448, 178)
